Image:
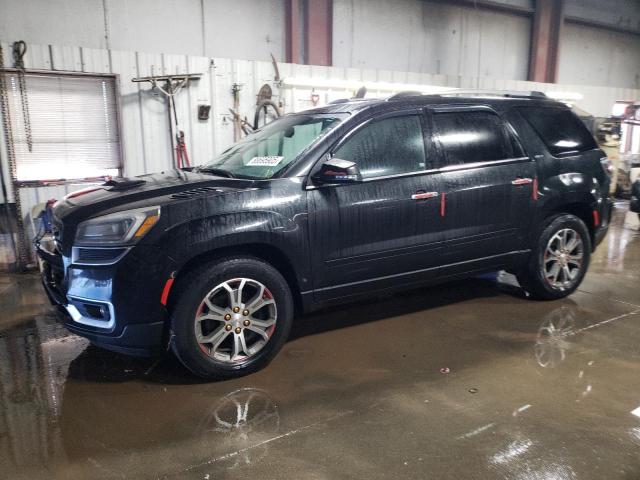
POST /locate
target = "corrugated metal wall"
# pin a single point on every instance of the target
(430, 37)
(249, 29)
(598, 57)
(145, 124)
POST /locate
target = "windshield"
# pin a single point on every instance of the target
(270, 149)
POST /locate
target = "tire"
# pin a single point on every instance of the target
(242, 348)
(537, 277)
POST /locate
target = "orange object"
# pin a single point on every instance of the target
(165, 291)
(146, 225)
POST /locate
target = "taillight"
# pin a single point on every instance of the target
(607, 166)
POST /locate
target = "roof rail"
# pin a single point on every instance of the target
(347, 100)
(405, 94)
(497, 93)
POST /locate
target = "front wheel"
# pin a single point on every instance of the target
(559, 260)
(231, 317)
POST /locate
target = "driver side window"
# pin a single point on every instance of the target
(386, 147)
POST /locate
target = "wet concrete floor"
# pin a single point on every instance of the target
(466, 380)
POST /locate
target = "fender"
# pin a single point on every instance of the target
(571, 187)
(199, 236)
(574, 190)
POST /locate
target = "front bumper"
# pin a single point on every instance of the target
(115, 306)
(143, 339)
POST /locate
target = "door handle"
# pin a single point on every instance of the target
(423, 195)
(522, 181)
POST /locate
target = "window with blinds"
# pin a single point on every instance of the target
(74, 127)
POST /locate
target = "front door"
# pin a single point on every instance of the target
(487, 185)
(368, 235)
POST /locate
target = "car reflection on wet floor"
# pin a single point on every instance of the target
(357, 393)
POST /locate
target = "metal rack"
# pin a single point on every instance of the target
(170, 86)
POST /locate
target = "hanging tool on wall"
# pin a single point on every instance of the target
(315, 98)
(266, 109)
(6, 125)
(19, 51)
(182, 157)
(237, 120)
(277, 81)
(20, 247)
(245, 126)
(169, 86)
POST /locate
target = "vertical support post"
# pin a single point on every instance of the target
(309, 31)
(319, 32)
(545, 41)
(293, 19)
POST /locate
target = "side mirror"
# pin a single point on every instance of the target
(336, 170)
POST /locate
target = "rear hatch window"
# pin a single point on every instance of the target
(561, 130)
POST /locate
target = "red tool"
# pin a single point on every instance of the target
(182, 157)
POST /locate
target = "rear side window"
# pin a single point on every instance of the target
(469, 137)
(386, 147)
(560, 130)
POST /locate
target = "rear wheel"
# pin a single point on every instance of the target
(559, 260)
(231, 317)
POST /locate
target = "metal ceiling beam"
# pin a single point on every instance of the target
(529, 12)
(601, 25)
(489, 5)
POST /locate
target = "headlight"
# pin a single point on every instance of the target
(119, 228)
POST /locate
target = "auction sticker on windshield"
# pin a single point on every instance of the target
(267, 161)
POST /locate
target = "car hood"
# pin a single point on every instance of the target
(154, 188)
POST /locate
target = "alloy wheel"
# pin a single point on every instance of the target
(563, 259)
(235, 320)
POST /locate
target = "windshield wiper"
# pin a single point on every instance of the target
(216, 171)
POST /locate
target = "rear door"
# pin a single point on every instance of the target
(487, 184)
(366, 236)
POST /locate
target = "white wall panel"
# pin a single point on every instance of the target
(244, 28)
(62, 22)
(173, 26)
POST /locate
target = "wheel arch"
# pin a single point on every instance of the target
(262, 251)
(582, 210)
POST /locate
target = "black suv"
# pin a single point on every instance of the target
(324, 206)
(635, 197)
